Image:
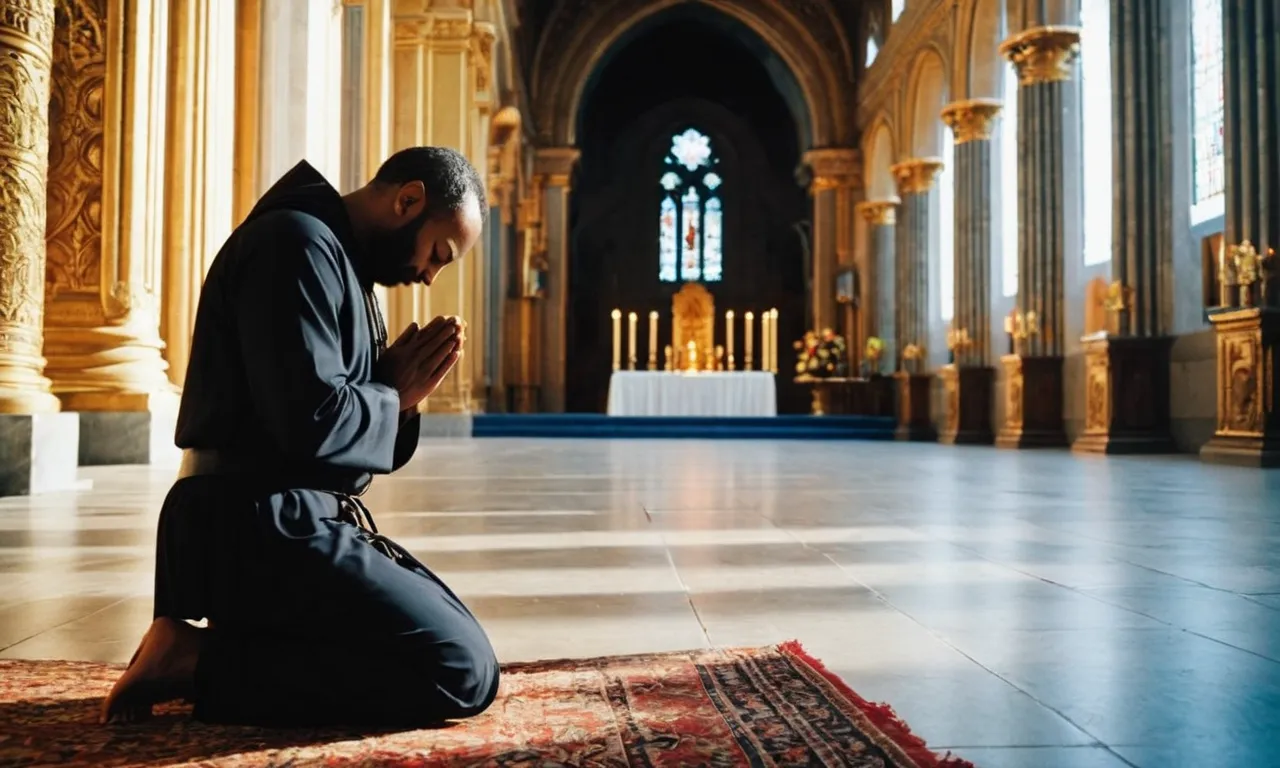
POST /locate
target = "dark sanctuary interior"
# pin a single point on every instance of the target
(686, 69)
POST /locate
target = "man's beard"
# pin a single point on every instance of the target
(390, 253)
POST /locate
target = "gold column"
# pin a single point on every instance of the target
(483, 35)
(553, 168)
(837, 174)
(105, 231)
(26, 38)
(434, 102)
(200, 174)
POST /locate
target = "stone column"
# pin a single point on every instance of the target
(1248, 334)
(970, 379)
(553, 169)
(915, 180)
(106, 229)
(836, 176)
(1127, 365)
(433, 102)
(1043, 58)
(37, 444)
(476, 364)
(878, 303)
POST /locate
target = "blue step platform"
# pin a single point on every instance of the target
(595, 425)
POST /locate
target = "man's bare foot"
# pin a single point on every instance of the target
(163, 669)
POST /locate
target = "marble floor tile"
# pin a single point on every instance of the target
(1020, 608)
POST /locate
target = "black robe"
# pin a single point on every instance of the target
(314, 619)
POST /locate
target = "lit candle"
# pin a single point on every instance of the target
(773, 340)
(747, 319)
(617, 339)
(631, 341)
(728, 335)
(653, 340)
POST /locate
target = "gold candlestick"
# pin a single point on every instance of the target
(747, 320)
(728, 333)
(653, 340)
(617, 338)
(773, 340)
(631, 341)
(667, 363)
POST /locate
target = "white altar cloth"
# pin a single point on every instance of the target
(720, 393)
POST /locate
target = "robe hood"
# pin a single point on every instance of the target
(306, 190)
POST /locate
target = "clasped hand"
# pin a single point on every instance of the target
(420, 358)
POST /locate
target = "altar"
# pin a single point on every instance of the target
(704, 393)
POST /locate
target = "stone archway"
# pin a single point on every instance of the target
(805, 35)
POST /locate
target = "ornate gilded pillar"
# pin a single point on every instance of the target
(434, 102)
(477, 364)
(1042, 57)
(836, 176)
(106, 228)
(1127, 365)
(1248, 334)
(969, 381)
(522, 326)
(37, 444)
(26, 37)
(915, 180)
(553, 169)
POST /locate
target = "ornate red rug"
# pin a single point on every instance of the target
(773, 706)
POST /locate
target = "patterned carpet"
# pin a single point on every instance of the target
(772, 706)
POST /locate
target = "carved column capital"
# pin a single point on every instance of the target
(971, 120)
(916, 175)
(556, 164)
(879, 212)
(483, 35)
(1043, 54)
(834, 168)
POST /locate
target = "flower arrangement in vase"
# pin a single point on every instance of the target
(821, 355)
(871, 357)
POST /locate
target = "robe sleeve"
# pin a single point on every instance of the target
(291, 292)
(407, 440)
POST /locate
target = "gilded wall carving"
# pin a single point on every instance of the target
(1013, 393)
(26, 28)
(74, 231)
(1239, 379)
(1097, 416)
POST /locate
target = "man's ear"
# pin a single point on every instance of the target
(411, 199)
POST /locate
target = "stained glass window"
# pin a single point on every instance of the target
(691, 216)
(1207, 93)
(947, 233)
(1095, 72)
(667, 241)
(1009, 184)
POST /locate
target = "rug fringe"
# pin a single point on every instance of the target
(882, 715)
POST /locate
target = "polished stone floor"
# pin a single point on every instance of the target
(1032, 609)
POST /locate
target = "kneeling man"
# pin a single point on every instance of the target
(293, 401)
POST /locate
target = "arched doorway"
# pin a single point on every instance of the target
(660, 91)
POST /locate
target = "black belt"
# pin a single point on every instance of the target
(210, 461)
(201, 461)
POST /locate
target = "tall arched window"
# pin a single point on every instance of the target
(690, 221)
(947, 233)
(1207, 86)
(873, 50)
(1009, 184)
(1095, 73)
(898, 7)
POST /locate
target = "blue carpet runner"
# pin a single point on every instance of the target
(600, 426)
